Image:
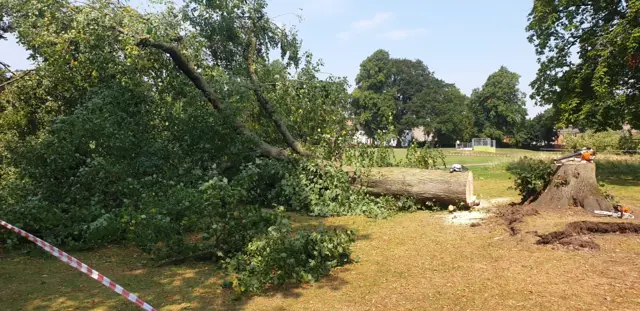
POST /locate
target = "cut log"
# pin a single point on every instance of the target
(574, 184)
(422, 185)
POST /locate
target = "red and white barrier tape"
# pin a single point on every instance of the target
(66, 258)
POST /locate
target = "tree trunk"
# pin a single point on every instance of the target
(440, 187)
(574, 184)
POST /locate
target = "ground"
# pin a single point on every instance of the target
(408, 262)
(474, 158)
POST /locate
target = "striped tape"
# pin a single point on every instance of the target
(66, 258)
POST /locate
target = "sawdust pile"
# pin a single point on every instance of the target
(574, 235)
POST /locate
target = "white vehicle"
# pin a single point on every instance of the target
(458, 168)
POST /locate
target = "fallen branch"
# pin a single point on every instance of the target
(7, 67)
(22, 75)
(266, 105)
(201, 84)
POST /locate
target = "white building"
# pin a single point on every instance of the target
(417, 133)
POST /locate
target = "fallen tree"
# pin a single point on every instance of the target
(574, 184)
(436, 186)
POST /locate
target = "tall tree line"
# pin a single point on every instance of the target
(394, 95)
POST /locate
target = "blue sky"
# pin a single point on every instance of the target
(462, 41)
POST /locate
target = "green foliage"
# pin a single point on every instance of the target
(532, 176)
(368, 156)
(630, 143)
(283, 256)
(315, 188)
(211, 221)
(107, 156)
(544, 125)
(604, 141)
(313, 109)
(499, 106)
(588, 55)
(425, 157)
(540, 130)
(607, 141)
(125, 167)
(395, 95)
(105, 141)
(374, 111)
(447, 111)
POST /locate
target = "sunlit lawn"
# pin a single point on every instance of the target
(408, 262)
(475, 158)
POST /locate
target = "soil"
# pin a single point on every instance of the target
(512, 215)
(574, 234)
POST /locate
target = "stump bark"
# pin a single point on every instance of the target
(574, 184)
(422, 185)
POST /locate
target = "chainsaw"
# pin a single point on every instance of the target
(585, 155)
(622, 215)
(621, 212)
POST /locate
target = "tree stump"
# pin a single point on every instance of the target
(441, 187)
(574, 184)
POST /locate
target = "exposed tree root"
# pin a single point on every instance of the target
(512, 215)
(574, 234)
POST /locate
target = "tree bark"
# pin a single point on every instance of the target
(422, 185)
(574, 184)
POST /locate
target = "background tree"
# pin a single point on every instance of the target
(499, 106)
(545, 125)
(537, 131)
(445, 111)
(409, 79)
(373, 100)
(400, 94)
(588, 54)
(5, 26)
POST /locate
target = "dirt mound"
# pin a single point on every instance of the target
(574, 234)
(512, 215)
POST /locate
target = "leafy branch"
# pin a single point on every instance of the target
(201, 84)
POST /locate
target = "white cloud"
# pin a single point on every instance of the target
(364, 25)
(402, 34)
(378, 19)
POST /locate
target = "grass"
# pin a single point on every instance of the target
(409, 262)
(475, 158)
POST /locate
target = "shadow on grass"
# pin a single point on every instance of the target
(620, 173)
(301, 222)
(42, 282)
(48, 284)
(295, 291)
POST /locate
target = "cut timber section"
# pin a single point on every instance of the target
(574, 184)
(422, 185)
